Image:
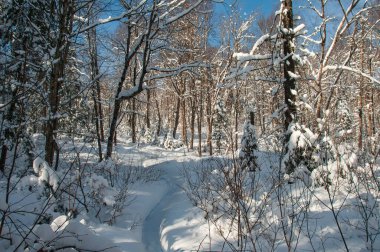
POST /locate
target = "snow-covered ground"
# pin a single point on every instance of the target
(159, 215)
(164, 218)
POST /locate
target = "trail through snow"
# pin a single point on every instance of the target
(160, 217)
(170, 209)
(153, 224)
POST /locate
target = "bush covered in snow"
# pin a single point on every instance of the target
(171, 143)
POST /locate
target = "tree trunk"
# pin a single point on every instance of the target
(361, 93)
(176, 119)
(236, 108)
(66, 14)
(98, 118)
(209, 122)
(147, 116)
(199, 119)
(133, 121)
(159, 118)
(252, 118)
(192, 122)
(98, 136)
(184, 123)
(289, 64)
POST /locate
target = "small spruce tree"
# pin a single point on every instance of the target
(219, 135)
(248, 148)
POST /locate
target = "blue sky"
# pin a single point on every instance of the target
(265, 7)
(245, 8)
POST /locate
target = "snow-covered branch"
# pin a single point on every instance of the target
(357, 71)
(129, 93)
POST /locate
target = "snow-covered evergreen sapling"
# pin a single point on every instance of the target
(247, 153)
(149, 136)
(344, 120)
(220, 123)
(296, 162)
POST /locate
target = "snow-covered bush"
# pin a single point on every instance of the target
(108, 168)
(149, 136)
(64, 234)
(45, 173)
(171, 143)
(234, 200)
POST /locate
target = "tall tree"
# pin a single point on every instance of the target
(289, 64)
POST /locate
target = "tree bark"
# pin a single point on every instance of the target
(147, 116)
(289, 64)
(199, 119)
(209, 121)
(145, 41)
(159, 119)
(176, 119)
(66, 15)
(98, 118)
(133, 121)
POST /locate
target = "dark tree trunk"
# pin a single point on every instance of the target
(147, 116)
(236, 107)
(95, 78)
(97, 128)
(114, 116)
(192, 122)
(176, 119)
(66, 14)
(133, 121)
(145, 41)
(289, 64)
(184, 123)
(98, 118)
(209, 121)
(252, 118)
(159, 119)
(7, 132)
(183, 114)
(199, 119)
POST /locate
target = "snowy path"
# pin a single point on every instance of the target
(171, 222)
(152, 226)
(158, 216)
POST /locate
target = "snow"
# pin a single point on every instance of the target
(293, 75)
(354, 70)
(45, 173)
(247, 57)
(299, 28)
(105, 20)
(3, 203)
(161, 217)
(131, 91)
